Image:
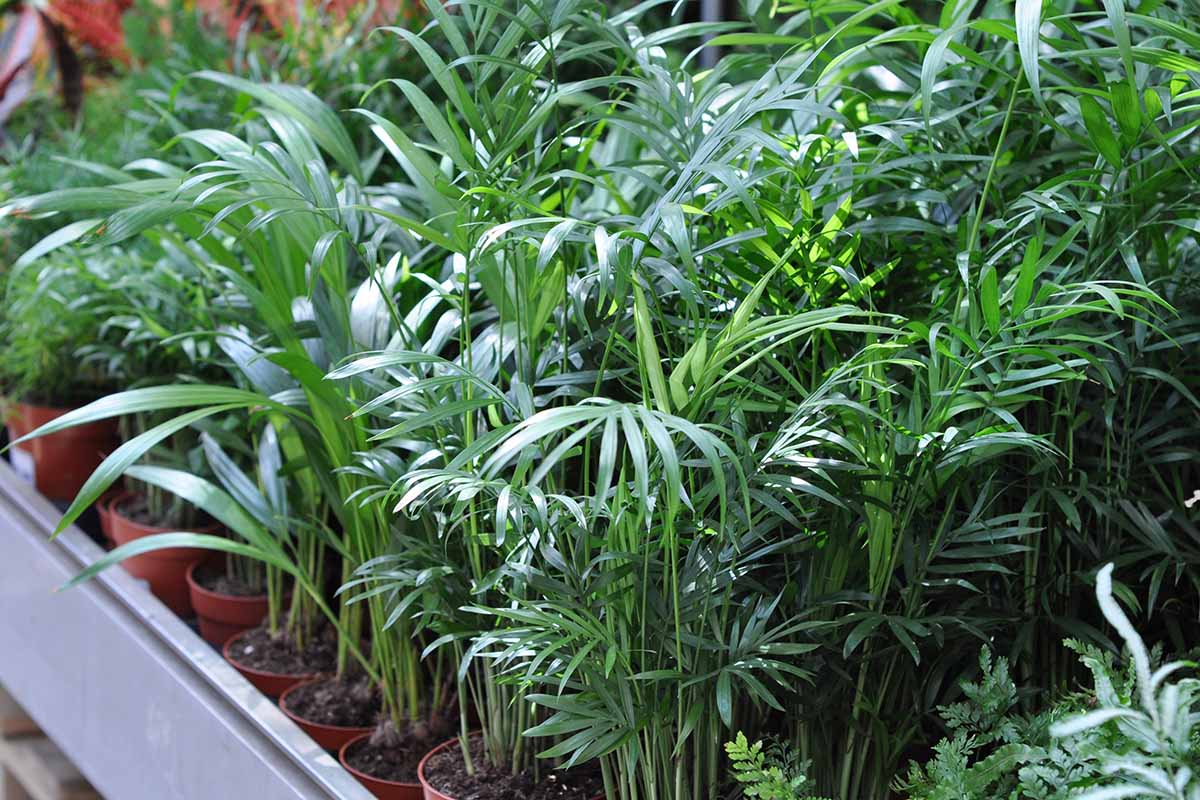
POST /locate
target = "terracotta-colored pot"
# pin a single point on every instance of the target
(272, 684)
(166, 569)
(430, 793)
(384, 790)
(330, 737)
(58, 464)
(104, 512)
(223, 616)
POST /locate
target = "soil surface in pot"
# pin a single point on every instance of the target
(258, 649)
(391, 756)
(215, 580)
(135, 509)
(345, 703)
(447, 773)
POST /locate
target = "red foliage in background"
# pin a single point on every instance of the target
(96, 24)
(93, 23)
(282, 13)
(54, 32)
(229, 14)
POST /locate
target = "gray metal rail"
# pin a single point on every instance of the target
(139, 702)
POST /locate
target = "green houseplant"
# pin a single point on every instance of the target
(634, 400)
(52, 308)
(282, 359)
(855, 456)
(156, 317)
(1133, 734)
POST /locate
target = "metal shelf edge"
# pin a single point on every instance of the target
(141, 704)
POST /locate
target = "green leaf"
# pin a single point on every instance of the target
(155, 398)
(648, 350)
(1102, 138)
(725, 698)
(989, 299)
(217, 504)
(1115, 9)
(1028, 23)
(434, 122)
(162, 541)
(860, 632)
(1092, 719)
(113, 467)
(63, 236)
(1030, 268)
(1124, 102)
(303, 107)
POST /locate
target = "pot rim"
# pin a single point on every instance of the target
(126, 494)
(304, 676)
(26, 404)
(110, 498)
(443, 746)
(11, 408)
(297, 718)
(425, 784)
(358, 773)
(238, 599)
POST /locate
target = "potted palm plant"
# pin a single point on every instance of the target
(293, 333)
(640, 399)
(462, 372)
(155, 313)
(273, 639)
(51, 308)
(588, 522)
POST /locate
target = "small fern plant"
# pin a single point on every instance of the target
(767, 773)
(1161, 732)
(1138, 738)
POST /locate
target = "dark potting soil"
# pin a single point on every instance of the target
(393, 756)
(215, 580)
(346, 703)
(258, 649)
(135, 509)
(447, 773)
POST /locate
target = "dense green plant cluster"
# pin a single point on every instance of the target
(1135, 734)
(51, 309)
(641, 404)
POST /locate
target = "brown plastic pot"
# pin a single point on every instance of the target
(384, 790)
(331, 737)
(430, 793)
(272, 684)
(166, 569)
(104, 512)
(223, 616)
(58, 464)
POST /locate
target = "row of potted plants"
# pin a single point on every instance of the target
(290, 655)
(137, 342)
(597, 407)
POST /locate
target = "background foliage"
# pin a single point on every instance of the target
(640, 399)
